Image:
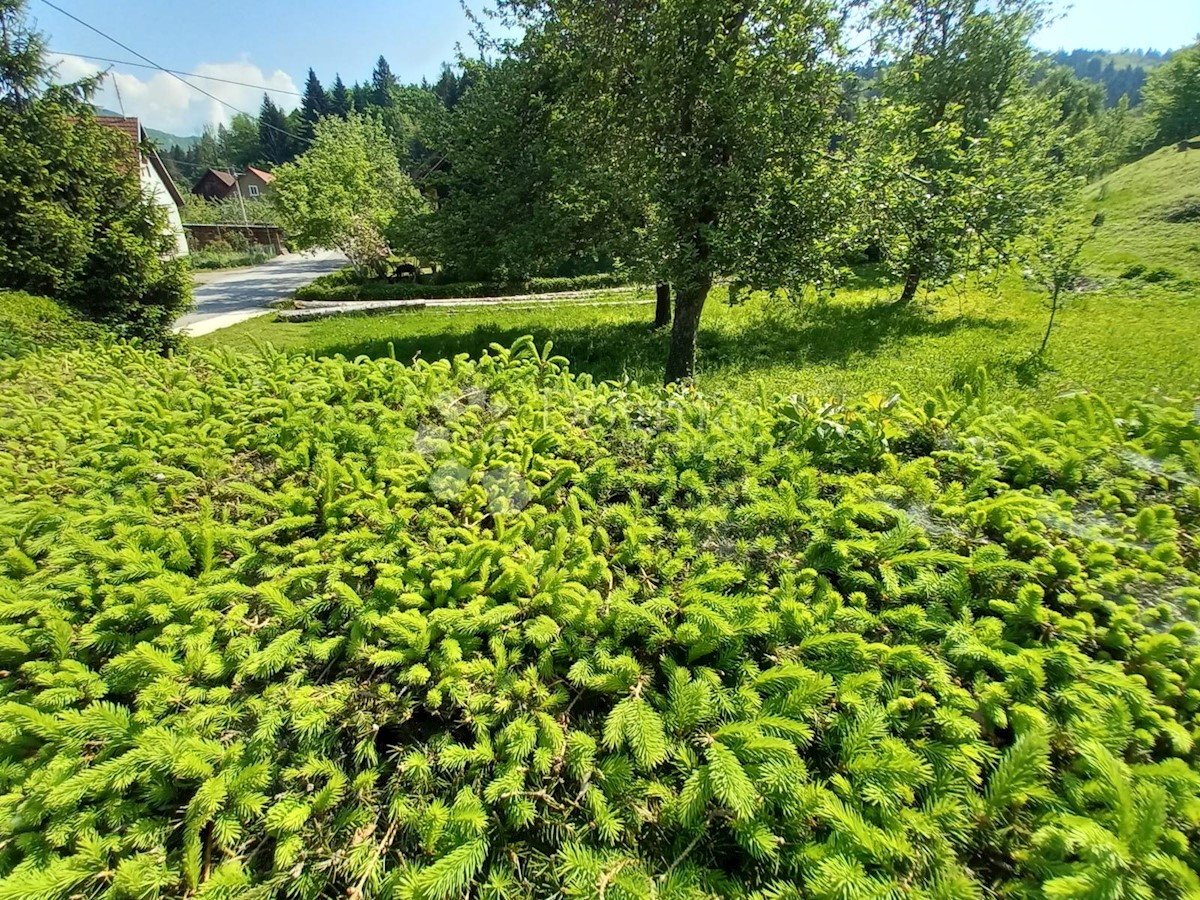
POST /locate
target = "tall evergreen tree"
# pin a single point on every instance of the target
(314, 106)
(274, 139)
(340, 101)
(382, 83)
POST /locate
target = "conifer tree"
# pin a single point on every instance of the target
(277, 143)
(340, 101)
(383, 82)
(314, 105)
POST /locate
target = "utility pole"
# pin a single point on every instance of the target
(238, 187)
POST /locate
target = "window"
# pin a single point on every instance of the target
(254, 190)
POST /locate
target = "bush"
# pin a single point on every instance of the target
(29, 323)
(345, 285)
(210, 258)
(217, 247)
(238, 241)
(100, 246)
(276, 626)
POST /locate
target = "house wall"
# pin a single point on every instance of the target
(154, 186)
(249, 178)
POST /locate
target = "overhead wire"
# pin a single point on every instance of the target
(126, 62)
(176, 76)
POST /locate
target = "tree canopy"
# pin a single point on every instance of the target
(346, 191)
(1173, 97)
(959, 153)
(715, 117)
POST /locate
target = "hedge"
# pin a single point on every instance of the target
(343, 286)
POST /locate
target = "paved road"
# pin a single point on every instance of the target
(226, 298)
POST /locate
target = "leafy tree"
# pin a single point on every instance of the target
(1054, 260)
(347, 191)
(340, 101)
(1172, 97)
(241, 145)
(314, 106)
(74, 222)
(513, 198)
(274, 137)
(715, 119)
(960, 154)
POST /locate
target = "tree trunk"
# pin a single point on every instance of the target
(912, 281)
(1050, 324)
(689, 304)
(662, 305)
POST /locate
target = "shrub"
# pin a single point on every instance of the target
(29, 323)
(100, 246)
(1183, 211)
(275, 626)
(228, 259)
(345, 285)
(217, 247)
(237, 241)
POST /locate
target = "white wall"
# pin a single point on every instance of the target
(158, 192)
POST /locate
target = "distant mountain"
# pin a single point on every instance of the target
(163, 140)
(1121, 73)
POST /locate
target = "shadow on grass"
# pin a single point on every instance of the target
(829, 334)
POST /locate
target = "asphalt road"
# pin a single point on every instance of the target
(226, 298)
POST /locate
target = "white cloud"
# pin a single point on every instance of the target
(162, 101)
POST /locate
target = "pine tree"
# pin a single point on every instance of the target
(382, 84)
(277, 143)
(340, 101)
(314, 106)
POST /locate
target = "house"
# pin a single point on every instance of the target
(217, 185)
(254, 182)
(214, 185)
(156, 180)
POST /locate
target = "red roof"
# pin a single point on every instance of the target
(131, 128)
(265, 176)
(224, 177)
(127, 126)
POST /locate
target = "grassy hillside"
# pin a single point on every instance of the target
(1152, 217)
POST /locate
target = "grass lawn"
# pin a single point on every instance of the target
(1152, 216)
(1131, 338)
(1128, 340)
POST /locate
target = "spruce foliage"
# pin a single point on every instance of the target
(281, 627)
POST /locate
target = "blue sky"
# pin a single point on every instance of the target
(273, 42)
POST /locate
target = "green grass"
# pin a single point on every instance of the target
(1138, 202)
(1131, 338)
(1125, 341)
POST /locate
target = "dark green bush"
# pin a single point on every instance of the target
(280, 627)
(346, 286)
(77, 226)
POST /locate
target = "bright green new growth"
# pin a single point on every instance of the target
(277, 627)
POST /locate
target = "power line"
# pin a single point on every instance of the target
(194, 87)
(125, 62)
